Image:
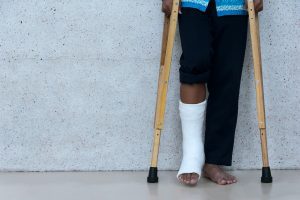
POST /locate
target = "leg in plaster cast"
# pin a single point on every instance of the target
(192, 106)
(196, 94)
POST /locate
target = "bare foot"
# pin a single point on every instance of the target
(217, 174)
(189, 178)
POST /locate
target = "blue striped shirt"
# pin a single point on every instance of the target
(223, 7)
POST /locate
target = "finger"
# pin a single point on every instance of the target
(166, 10)
(257, 5)
(163, 10)
(260, 8)
(169, 11)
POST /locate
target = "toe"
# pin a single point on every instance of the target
(180, 177)
(188, 178)
(222, 181)
(232, 179)
(194, 178)
(185, 178)
(228, 179)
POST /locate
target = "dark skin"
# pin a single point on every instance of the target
(196, 93)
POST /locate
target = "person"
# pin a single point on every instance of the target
(213, 36)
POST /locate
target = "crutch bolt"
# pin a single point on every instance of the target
(152, 177)
(266, 175)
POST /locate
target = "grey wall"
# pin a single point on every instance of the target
(78, 83)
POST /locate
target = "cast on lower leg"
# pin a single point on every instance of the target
(192, 120)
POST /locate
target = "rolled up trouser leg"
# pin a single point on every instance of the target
(192, 119)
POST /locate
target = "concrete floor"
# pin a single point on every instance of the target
(132, 185)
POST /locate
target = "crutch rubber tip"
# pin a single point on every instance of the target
(266, 175)
(152, 177)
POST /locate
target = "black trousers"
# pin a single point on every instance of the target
(213, 50)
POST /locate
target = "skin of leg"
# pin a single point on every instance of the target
(191, 94)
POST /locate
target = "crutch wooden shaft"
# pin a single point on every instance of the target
(168, 38)
(166, 65)
(157, 132)
(255, 40)
(161, 69)
(164, 73)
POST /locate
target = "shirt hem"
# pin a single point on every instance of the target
(219, 13)
(194, 5)
(232, 12)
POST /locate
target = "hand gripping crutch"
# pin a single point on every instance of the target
(255, 41)
(168, 37)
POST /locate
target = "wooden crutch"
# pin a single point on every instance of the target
(168, 38)
(255, 42)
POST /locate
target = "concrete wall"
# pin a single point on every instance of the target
(78, 83)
